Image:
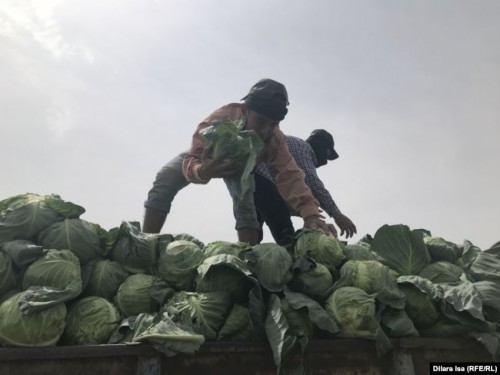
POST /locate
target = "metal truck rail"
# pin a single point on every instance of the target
(411, 356)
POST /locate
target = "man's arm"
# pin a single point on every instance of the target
(304, 157)
(291, 185)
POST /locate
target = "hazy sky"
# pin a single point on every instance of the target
(95, 96)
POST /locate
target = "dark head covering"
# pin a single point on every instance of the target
(323, 145)
(268, 97)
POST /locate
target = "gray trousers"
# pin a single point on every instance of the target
(170, 180)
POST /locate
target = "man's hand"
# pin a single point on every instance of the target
(346, 225)
(221, 166)
(316, 222)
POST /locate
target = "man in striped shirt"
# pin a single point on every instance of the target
(309, 155)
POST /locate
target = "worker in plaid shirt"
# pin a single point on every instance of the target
(309, 155)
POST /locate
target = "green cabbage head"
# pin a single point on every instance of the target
(40, 328)
(178, 263)
(354, 310)
(90, 321)
(134, 295)
(323, 248)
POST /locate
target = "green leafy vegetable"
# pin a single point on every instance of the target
(90, 321)
(401, 249)
(41, 328)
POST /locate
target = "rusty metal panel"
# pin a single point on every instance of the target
(321, 357)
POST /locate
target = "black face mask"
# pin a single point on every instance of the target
(273, 109)
(320, 150)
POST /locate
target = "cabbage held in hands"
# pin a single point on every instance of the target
(229, 138)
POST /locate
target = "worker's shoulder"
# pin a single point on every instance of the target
(230, 110)
(295, 141)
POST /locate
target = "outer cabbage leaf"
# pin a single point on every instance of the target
(442, 272)
(9, 276)
(397, 323)
(225, 273)
(315, 312)
(22, 252)
(489, 291)
(401, 249)
(161, 331)
(77, 235)
(311, 278)
(238, 325)
(54, 278)
(422, 300)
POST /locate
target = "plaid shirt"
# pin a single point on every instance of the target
(304, 155)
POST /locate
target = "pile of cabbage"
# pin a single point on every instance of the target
(66, 281)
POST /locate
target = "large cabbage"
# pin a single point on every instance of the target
(374, 278)
(359, 251)
(226, 273)
(54, 278)
(134, 295)
(204, 313)
(80, 236)
(440, 249)
(106, 276)
(90, 321)
(272, 264)
(311, 278)
(136, 251)
(40, 328)
(355, 312)
(229, 138)
(178, 263)
(24, 216)
(323, 248)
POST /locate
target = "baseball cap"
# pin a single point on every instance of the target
(324, 137)
(268, 89)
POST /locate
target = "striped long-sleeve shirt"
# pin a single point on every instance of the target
(305, 158)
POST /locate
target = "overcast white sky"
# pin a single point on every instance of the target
(96, 95)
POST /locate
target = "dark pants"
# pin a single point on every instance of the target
(273, 210)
